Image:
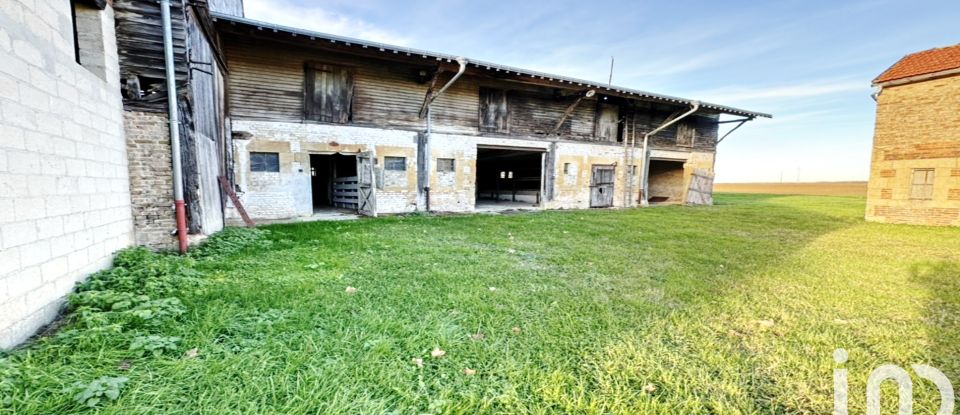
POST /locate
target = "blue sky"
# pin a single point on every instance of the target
(807, 62)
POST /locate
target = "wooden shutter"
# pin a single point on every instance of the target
(328, 93)
(494, 116)
(922, 184)
(608, 122)
(685, 133)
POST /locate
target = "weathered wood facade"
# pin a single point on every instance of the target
(200, 70)
(297, 93)
(268, 83)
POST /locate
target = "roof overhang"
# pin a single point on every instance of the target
(918, 78)
(524, 75)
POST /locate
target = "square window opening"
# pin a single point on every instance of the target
(88, 43)
(395, 163)
(445, 165)
(265, 162)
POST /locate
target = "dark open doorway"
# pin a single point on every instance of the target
(333, 181)
(666, 181)
(509, 178)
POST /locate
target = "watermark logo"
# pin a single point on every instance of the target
(896, 374)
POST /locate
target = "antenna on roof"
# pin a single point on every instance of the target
(610, 79)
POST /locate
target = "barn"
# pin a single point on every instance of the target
(915, 168)
(323, 123)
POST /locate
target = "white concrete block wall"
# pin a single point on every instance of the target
(64, 189)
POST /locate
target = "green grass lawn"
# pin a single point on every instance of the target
(734, 308)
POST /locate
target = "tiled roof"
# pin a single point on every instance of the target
(922, 63)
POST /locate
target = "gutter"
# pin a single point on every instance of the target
(426, 145)
(644, 201)
(174, 116)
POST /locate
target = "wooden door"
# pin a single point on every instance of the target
(366, 184)
(601, 186)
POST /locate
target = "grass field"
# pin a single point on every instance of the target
(734, 308)
(858, 189)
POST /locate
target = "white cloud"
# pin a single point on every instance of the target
(283, 12)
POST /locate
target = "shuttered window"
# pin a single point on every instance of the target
(265, 162)
(329, 93)
(607, 123)
(685, 133)
(921, 187)
(494, 116)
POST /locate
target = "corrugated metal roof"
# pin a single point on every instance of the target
(381, 47)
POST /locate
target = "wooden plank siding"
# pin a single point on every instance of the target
(267, 81)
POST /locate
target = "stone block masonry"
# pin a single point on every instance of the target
(64, 188)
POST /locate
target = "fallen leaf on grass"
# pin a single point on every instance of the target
(190, 354)
(417, 361)
(511, 251)
(437, 352)
(650, 388)
(476, 337)
(124, 365)
(351, 290)
(734, 333)
(469, 372)
(515, 330)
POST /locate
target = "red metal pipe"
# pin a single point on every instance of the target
(181, 226)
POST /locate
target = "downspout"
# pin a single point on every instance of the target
(174, 116)
(644, 201)
(426, 157)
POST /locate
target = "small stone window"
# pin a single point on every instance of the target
(265, 162)
(445, 165)
(921, 186)
(88, 41)
(567, 168)
(395, 163)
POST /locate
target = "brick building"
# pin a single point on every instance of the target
(915, 169)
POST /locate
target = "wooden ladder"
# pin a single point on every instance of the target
(225, 185)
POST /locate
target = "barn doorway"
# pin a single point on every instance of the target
(333, 183)
(508, 178)
(666, 181)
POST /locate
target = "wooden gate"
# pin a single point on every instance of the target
(701, 188)
(366, 184)
(601, 186)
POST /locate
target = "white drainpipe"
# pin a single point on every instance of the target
(645, 201)
(426, 147)
(174, 116)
